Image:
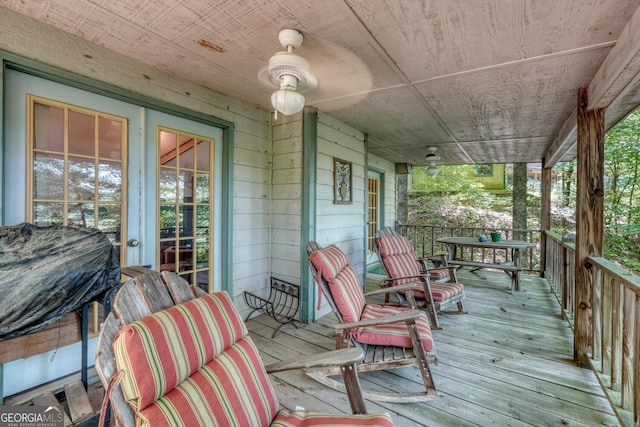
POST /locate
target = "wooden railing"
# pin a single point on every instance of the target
(560, 271)
(424, 239)
(615, 323)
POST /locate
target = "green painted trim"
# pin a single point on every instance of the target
(226, 264)
(308, 230)
(28, 66)
(381, 201)
(365, 250)
(2, 140)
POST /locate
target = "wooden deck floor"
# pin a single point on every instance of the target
(506, 363)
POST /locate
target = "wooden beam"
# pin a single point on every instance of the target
(564, 142)
(619, 71)
(589, 221)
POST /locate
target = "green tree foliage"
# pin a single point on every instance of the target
(622, 194)
(451, 198)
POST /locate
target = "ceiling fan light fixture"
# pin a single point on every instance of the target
(431, 159)
(287, 101)
(290, 73)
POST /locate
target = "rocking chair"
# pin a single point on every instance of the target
(391, 336)
(438, 287)
(170, 354)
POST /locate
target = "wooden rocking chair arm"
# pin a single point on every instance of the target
(403, 316)
(346, 356)
(391, 288)
(448, 267)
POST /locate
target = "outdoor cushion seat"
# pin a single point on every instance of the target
(436, 288)
(194, 364)
(395, 334)
(391, 336)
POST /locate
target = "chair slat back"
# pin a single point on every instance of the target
(179, 288)
(138, 297)
(154, 291)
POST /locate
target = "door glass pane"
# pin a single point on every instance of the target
(49, 127)
(185, 210)
(203, 186)
(81, 215)
(186, 152)
(82, 134)
(185, 186)
(110, 138)
(81, 178)
(110, 221)
(110, 179)
(203, 152)
(48, 176)
(168, 185)
(48, 214)
(168, 145)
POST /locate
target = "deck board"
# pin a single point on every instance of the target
(509, 362)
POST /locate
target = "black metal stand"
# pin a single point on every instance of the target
(282, 304)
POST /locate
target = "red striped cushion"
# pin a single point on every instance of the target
(227, 391)
(395, 334)
(398, 258)
(329, 261)
(162, 350)
(303, 419)
(440, 291)
(343, 281)
(439, 274)
(444, 291)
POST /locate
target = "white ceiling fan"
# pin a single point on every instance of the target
(431, 160)
(336, 76)
(290, 73)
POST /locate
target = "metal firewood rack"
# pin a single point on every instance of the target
(282, 304)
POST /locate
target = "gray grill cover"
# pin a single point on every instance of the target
(49, 272)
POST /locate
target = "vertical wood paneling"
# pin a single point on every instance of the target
(286, 202)
(341, 224)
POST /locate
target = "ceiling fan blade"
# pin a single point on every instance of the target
(343, 78)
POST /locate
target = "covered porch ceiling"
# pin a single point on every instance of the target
(490, 81)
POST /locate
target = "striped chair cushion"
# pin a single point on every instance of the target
(398, 258)
(444, 291)
(343, 281)
(194, 360)
(440, 274)
(395, 334)
(301, 418)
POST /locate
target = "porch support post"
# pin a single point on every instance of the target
(589, 221)
(402, 205)
(545, 215)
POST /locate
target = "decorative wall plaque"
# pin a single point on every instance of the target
(342, 193)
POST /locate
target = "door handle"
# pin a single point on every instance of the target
(132, 243)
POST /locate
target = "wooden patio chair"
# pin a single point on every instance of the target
(390, 336)
(438, 287)
(171, 355)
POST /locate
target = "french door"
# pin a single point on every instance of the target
(86, 160)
